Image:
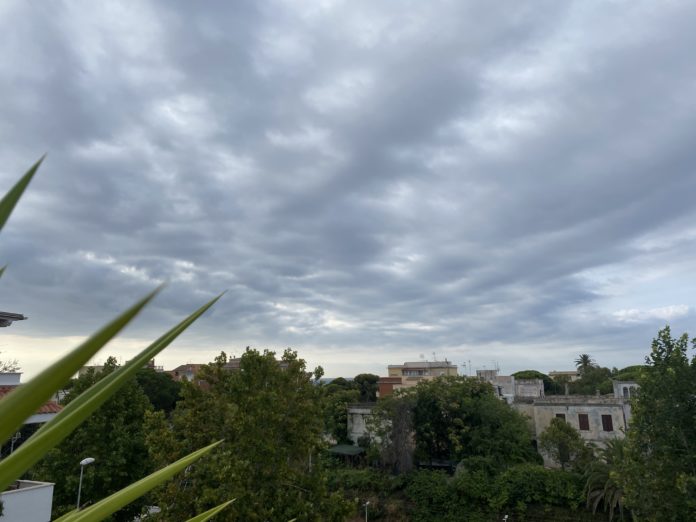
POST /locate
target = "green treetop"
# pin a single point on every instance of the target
(564, 445)
(659, 475)
(269, 413)
(113, 436)
(455, 418)
(583, 362)
(160, 388)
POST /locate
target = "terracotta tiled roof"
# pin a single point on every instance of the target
(49, 407)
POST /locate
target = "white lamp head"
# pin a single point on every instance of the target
(87, 461)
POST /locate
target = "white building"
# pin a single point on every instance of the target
(27, 501)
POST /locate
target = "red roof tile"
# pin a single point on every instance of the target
(49, 407)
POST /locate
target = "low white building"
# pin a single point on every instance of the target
(358, 416)
(27, 501)
(10, 380)
(509, 387)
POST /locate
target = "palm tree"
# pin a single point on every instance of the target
(583, 362)
(602, 480)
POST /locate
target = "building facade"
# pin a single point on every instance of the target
(509, 387)
(410, 374)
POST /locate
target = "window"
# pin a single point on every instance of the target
(560, 416)
(625, 392)
(584, 421)
(607, 423)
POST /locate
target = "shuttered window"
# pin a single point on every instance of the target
(607, 423)
(584, 421)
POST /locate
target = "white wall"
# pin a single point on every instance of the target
(30, 503)
(10, 378)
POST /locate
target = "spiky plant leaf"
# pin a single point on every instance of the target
(113, 503)
(207, 515)
(23, 402)
(74, 413)
(7, 204)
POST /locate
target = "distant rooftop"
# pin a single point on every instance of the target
(48, 407)
(424, 364)
(7, 318)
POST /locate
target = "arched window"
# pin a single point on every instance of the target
(625, 392)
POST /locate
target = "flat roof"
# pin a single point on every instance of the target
(346, 449)
(424, 364)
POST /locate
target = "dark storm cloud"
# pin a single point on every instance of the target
(381, 176)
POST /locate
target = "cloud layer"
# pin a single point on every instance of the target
(370, 181)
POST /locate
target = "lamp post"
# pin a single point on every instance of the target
(83, 463)
(367, 503)
(14, 439)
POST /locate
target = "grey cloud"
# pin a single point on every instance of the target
(384, 176)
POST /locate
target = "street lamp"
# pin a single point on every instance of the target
(367, 503)
(83, 463)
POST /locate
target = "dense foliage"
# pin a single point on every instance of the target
(269, 414)
(659, 471)
(113, 436)
(564, 445)
(459, 417)
(603, 488)
(366, 384)
(162, 391)
(474, 493)
(446, 420)
(593, 379)
(551, 387)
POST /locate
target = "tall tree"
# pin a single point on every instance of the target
(455, 418)
(269, 414)
(161, 390)
(366, 383)
(336, 401)
(583, 362)
(659, 476)
(113, 436)
(459, 417)
(593, 379)
(602, 485)
(564, 445)
(391, 431)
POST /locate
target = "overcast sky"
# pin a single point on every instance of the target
(372, 182)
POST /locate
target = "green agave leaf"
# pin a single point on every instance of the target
(113, 503)
(211, 512)
(8, 203)
(74, 413)
(23, 402)
(66, 517)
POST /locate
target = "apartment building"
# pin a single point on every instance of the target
(410, 374)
